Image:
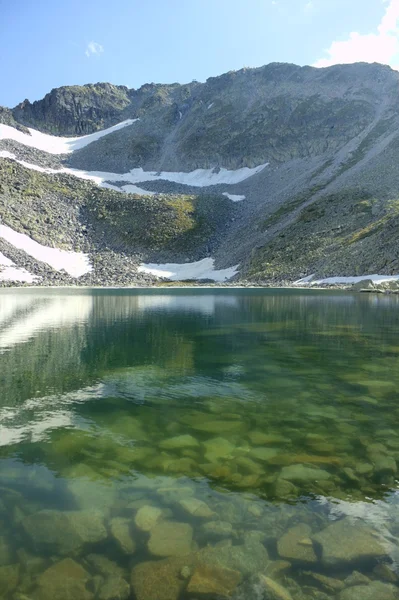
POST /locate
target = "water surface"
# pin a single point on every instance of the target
(151, 440)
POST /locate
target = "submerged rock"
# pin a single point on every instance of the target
(373, 591)
(173, 494)
(285, 489)
(104, 566)
(114, 588)
(196, 508)
(259, 438)
(295, 545)
(217, 448)
(159, 579)
(343, 543)
(120, 531)
(214, 426)
(218, 529)
(66, 580)
(264, 454)
(327, 583)
(64, 532)
(90, 495)
(6, 553)
(302, 473)
(274, 590)
(248, 558)
(179, 442)
(169, 538)
(208, 581)
(9, 577)
(147, 517)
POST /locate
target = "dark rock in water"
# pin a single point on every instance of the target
(9, 577)
(104, 566)
(64, 532)
(343, 543)
(6, 553)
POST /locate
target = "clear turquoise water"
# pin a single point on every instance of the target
(235, 415)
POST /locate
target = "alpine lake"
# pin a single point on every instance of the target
(198, 444)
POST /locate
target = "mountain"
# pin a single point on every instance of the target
(274, 174)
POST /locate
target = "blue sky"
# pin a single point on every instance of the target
(47, 44)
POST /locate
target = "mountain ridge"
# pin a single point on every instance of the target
(329, 138)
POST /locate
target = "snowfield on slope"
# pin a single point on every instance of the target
(75, 264)
(197, 178)
(202, 269)
(60, 145)
(234, 197)
(345, 280)
(10, 272)
(54, 144)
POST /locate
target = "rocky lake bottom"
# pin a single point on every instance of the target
(192, 444)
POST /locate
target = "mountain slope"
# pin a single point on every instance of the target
(282, 170)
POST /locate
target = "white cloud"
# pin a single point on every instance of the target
(308, 6)
(93, 48)
(381, 46)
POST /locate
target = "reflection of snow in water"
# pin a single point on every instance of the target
(22, 316)
(46, 313)
(205, 304)
(37, 416)
(34, 429)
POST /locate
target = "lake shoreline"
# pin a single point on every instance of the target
(179, 286)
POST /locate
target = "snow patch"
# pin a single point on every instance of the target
(4, 261)
(5, 154)
(54, 144)
(133, 189)
(9, 272)
(202, 269)
(197, 178)
(17, 274)
(234, 197)
(346, 280)
(75, 264)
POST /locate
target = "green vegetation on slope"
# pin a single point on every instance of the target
(67, 212)
(349, 232)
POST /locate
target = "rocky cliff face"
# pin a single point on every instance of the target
(326, 204)
(244, 118)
